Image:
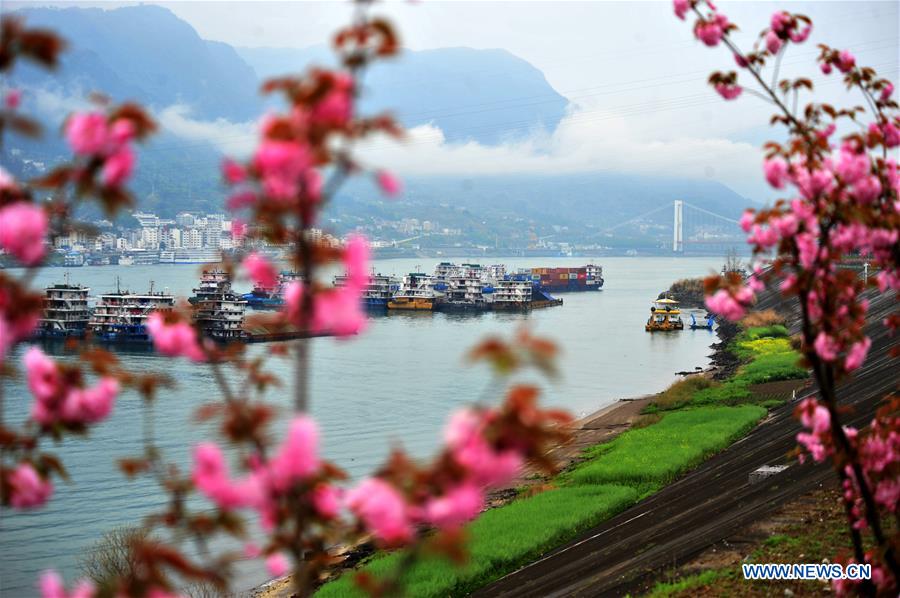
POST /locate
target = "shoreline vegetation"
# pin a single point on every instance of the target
(619, 456)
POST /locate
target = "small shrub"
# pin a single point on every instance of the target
(647, 419)
(110, 557)
(682, 392)
(766, 317)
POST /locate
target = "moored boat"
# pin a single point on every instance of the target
(66, 313)
(262, 297)
(378, 292)
(568, 280)
(121, 317)
(218, 311)
(665, 315)
(418, 292)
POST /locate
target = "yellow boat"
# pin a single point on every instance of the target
(664, 315)
(418, 303)
(417, 292)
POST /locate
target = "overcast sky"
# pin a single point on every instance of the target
(634, 74)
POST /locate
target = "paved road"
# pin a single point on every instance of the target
(706, 506)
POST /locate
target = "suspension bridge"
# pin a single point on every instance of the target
(691, 226)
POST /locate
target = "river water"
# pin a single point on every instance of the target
(397, 382)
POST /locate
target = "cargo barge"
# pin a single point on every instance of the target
(569, 280)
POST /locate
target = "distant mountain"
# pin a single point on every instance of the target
(146, 53)
(464, 91)
(586, 204)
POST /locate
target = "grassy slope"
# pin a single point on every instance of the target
(503, 539)
(614, 476)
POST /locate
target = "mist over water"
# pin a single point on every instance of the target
(396, 383)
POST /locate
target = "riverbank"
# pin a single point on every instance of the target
(621, 455)
(599, 427)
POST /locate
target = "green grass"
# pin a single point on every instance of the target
(772, 367)
(691, 582)
(728, 393)
(501, 540)
(655, 455)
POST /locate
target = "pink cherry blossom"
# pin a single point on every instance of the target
(92, 404)
(278, 564)
(336, 107)
(210, 475)
(261, 270)
(779, 21)
(857, 354)
(238, 229)
(773, 42)
(390, 185)
(339, 311)
(741, 61)
(382, 509)
(281, 165)
(887, 494)
(122, 131)
(681, 8)
(889, 132)
(852, 165)
(27, 488)
(747, 219)
(723, 304)
(455, 507)
(44, 379)
(23, 227)
(87, 133)
(729, 91)
(826, 347)
(846, 61)
(12, 99)
(233, 172)
(807, 249)
(484, 465)
(117, 169)
(51, 586)
(866, 189)
(815, 416)
(356, 260)
(798, 36)
(776, 171)
(826, 68)
(326, 500)
(886, 91)
(174, 339)
(709, 32)
(298, 457)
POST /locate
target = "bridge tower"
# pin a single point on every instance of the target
(678, 228)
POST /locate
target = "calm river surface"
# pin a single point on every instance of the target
(397, 382)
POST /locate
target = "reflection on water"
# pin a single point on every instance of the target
(397, 382)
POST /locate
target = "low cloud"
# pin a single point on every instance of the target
(229, 137)
(585, 141)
